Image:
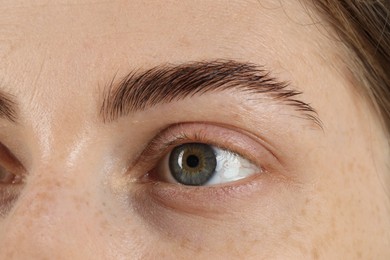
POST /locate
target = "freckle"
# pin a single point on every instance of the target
(297, 229)
(254, 244)
(184, 243)
(28, 223)
(58, 183)
(236, 117)
(376, 210)
(184, 42)
(337, 203)
(197, 250)
(333, 224)
(232, 245)
(78, 206)
(98, 213)
(76, 199)
(314, 253)
(350, 167)
(286, 234)
(10, 255)
(104, 224)
(303, 212)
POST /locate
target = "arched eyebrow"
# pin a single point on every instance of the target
(7, 107)
(166, 83)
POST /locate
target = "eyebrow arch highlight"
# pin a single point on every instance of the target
(166, 83)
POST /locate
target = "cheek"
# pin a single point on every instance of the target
(52, 218)
(260, 225)
(347, 208)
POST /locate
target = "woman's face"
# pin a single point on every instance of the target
(97, 166)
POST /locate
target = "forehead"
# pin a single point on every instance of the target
(57, 48)
(154, 30)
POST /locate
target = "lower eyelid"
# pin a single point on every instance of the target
(207, 199)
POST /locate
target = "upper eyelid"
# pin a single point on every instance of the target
(160, 146)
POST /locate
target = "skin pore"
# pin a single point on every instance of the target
(86, 192)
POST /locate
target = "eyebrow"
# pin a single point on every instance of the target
(7, 107)
(141, 90)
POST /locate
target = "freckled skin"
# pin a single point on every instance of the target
(78, 200)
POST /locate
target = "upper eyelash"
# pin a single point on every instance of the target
(159, 146)
(180, 137)
(237, 141)
(166, 145)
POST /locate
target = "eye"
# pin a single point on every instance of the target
(200, 167)
(199, 164)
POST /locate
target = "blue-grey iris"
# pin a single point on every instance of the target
(192, 163)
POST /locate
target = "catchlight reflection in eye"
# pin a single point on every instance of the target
(198, 164)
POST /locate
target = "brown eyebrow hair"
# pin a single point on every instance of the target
(167, 83)
(7, 107)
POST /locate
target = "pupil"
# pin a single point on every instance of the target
(192, 161)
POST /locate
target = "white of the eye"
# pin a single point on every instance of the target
(231, 167)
